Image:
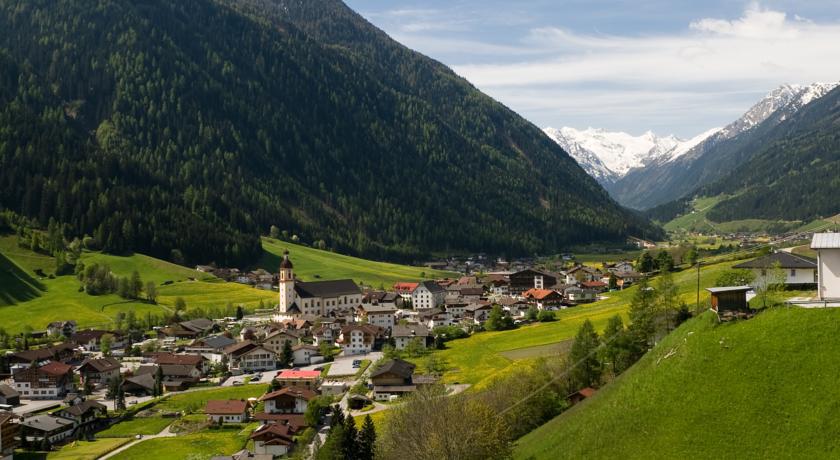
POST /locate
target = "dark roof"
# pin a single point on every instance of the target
(198, 324)
(715, 290)
(286, 263)
(785, 259)
(218, 341)
(395, 366)
(90, 334)
(295, 392)
(47, 423)
(239, 348)
(101, 364)
(42, 354)
(146, 381)
(186, 360)
(7, 391)
(411, 330)
(56, 368)
(176, 370)
(84, 406)
(274, 434)
(226, 406)
(431, 286)
(332, 288)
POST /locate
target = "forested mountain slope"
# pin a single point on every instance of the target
(194, 125)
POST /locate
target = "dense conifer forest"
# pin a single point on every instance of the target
(184, 129)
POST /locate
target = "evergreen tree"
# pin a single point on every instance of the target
(586, 370)
(136, 285)
(646, 263)
(349, 441)
(240, 313)
(614, 343)
(666, 299)
(367, 439)
(613, 284)
(642, 318)
(158, 388)
(287, 356)
(664, 261)
(119, 401)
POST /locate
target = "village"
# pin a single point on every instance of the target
(325, 343)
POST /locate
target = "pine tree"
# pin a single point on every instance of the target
(367, 440)
(349, 441)
(614, 342)
(642, 314)
(586, 370)
(287, 357)
(158, 389)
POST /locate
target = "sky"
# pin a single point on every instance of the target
(672, 67)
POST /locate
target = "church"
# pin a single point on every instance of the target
(314, 298)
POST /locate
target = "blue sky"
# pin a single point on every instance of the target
(676, 67)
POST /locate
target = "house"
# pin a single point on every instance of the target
(200, 326)
(544, 299)
(304, 355)
(273, 439)
(288, 400)
(320, 298)
(625, 279)
(83, 413)
(581, 273)
(470, 293)
(622, 266)
(827, 246)
(455, 309)
(359, 338)
(580, 295)
(140, 384)
(227, 411)
(434, 318)
(515, 307)
(729, 299)
(91, 339)
(426, 295)
(324, 334)
(211, 348)
(243, 454)
(394, 377)
(378, 315)
(478, 312)
(248, 356)
(403, 335)
(531, 278)
(799, 271)
(9, 432)
(59, 352)
(8, 395)
(300, 379)
(277, 340)
(597, 285)
(36, 428)
(62, 328)
(98, 371)
(50, 381)
(197, 361)
(383, 298)
(177, 377)
(640, 243)
(404, 289)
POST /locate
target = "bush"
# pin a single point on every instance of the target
(546, 316)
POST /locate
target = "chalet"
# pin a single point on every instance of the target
(297, 422)
(248, 356)
(62, 328)
(211, 348)
(404, 290)
(304, 354)
(141, 384)
(8, 395)
(98, 371)
(455, 309)
(625, 279)
(50, 381)
(544, 299)
(243, 454)
(434, 318)
(597, 285)
(514, 307)
(273, 439)
(729, 299)
(799, 271)
(426, 295)
(359, 338)
(313, 298)
(383, 298)
(324, 334)
(276, 341)
(288, 400)
(580, 295)
(531, 278)
(59, 352)
(622, 266)
(83, 413)
(378, 315)
(36, 428)
(9, 435)
(227, 411)
(194, 360)
(478, 312)
(581, 273)
(827, 246)
(91, 339)
(403, 335)
(177, 377)
(299, 379)
(201, 326)
(394, 377)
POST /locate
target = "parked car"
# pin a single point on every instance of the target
(238, 383)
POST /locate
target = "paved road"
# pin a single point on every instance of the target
(166, 433)
(265, 377)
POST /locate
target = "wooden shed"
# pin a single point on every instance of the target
(730, 298)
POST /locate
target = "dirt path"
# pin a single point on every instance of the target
(166, 433)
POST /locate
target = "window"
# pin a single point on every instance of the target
(792, 272)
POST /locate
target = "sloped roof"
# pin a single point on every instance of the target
(290, 374)
(432, 286)
(539, 294)
(825, 241)
(185, 360)
(332, 288)
(101, 364)
(84, 406)
(7, 391)
(411, 330)
(56, 368)
(395, 366)
(295, 392)
(226, 406)
(47, 423)
(784, 259)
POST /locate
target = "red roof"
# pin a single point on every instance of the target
(274, 434)
(287, 374)
(226, 407)
(55, 368)
(587, 392)
(593, 284)
(405, 287)
(538, 294)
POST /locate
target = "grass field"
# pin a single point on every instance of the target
(28, 301)
(135, 426)
(194, 401)
(86, 450)
(480, 357)
(201, 445)
(762, 388)
(312, 264)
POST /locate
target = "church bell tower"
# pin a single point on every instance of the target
(287, 284)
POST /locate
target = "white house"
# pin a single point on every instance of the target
(799, 271)
(358, 338)
(402, 335)
(273, 439)
(288, 400)
(426, 295)
(248, 356)
(827, 246)
(304, 355)
(378, 315)
(227, 411)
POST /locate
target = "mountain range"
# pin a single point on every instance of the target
(643, 179)
(184, 129)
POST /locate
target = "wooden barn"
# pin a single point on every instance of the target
(729, 299)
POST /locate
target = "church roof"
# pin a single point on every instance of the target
(286, 263)
(333, 288)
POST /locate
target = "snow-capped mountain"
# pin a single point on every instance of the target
(608, 156)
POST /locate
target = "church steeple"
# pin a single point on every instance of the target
(287, 284)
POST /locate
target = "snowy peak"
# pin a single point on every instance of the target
(608, 156)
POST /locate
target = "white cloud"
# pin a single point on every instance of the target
(748, 55)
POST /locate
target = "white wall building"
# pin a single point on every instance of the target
(427, 295)
(827, 246)
(317, 298)
(798, 270)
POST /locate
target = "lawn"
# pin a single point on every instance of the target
(26, 300)
(201, 445)
(194, 401)
(761, 388)
(87, 450)
(313, 264)
(134, 426)
(480, 357)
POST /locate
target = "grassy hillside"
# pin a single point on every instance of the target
(480, 357)
(312, 264)
(33, 302)
(761, 388)
(697, 220)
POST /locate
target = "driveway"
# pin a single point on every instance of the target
(343, 365)
(265, 377)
